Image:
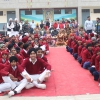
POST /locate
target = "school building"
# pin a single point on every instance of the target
(38, 10)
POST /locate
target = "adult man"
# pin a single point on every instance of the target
(25, 27)
(98, 25)
(16, 27)
(33, 25)
(48, 23)
(89, 26)
(10, 26)
(41, 25)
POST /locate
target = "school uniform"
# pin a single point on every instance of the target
(24, 54)
(15, 71)
(3, 61)
(72, 46)
(20, 58)
(46, 47)
(96, 70)
(75, 51)
(86, 58)
(44, 58)
(68, 44)
(3, 86)
(34, 69)
(79, 54)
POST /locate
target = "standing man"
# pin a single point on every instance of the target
(21, 23)
(89, 26)
(25, 27)
(33, 25)
(41, 25)
(16, 27)
(97, 25)
(10, 27)
(48, 23)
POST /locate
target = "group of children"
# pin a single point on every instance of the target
(23, 63)
(86, 50)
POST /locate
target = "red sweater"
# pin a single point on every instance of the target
(3, 62)
(45, 58)
(34, 68)
(97, 60)
(86, 56)
(20, 58)
(61, 26)
(1, 67)
(24, 54)
(79, 50)
(8, 68)
(55, 25)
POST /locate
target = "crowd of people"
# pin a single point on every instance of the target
(85, 48)
(23, 63)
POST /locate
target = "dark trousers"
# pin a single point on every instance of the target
(92, 69)
(69, 49)
(96, 75)
(75, 55)
(89, 31)
(79, 59)
(86, 65)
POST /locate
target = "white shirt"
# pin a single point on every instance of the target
(11, 26)
(14, 68)
(33, 62)
(88, 25)
(25, 51)
(33, 25)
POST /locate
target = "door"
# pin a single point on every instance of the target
(11, 14)
(85, 14)
(48, 14)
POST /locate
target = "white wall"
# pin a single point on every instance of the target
(38, 3)
(94, 15)
(3, 19)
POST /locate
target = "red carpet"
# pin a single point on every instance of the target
(68, 78)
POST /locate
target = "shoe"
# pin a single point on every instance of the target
(11, 93)
(41, 86)
(30, 85)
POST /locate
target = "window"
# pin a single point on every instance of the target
(57, 11)
(68, 11)
(38, 12)
(10, 12)
(85, 10)
(96, 10)
(1, 13)
(28, 12)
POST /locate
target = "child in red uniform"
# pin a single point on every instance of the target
(19, 57)
(4, 58)
(31, 70)
(24, 51)
(40, 54)
(11, 74)
(4, 86)
(86, 56)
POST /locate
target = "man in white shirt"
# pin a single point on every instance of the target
(89, 26)
(10, 27)
(33, 25)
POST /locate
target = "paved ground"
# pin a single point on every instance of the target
(78, 97)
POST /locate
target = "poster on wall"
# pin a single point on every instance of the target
(48, 14)
(31, 15)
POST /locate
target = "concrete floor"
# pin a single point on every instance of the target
(78, 97)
